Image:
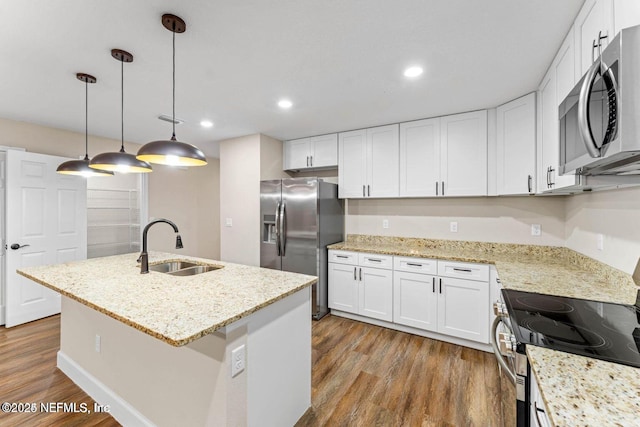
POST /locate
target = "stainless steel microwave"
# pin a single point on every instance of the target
(600, 118)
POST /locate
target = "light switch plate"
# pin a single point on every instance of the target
(228, 222)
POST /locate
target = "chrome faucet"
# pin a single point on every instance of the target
(143, 259)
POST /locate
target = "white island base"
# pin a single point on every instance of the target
(146, 382)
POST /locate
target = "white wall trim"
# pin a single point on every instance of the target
(415, 331)
(119, 409)
(2, 312)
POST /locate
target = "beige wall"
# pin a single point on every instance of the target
(489, 219)
(190, 197)
(167, 195)
(616, 215)
(244, 162)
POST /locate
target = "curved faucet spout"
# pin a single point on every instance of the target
(143, 259)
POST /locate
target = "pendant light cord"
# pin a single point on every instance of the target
(122, 105)
(86, 119)
(173, 136)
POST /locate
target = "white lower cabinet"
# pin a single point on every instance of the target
(446, 297)
(415, 301)
(462, 308)
(358, 289)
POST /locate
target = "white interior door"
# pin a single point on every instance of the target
(46, 223)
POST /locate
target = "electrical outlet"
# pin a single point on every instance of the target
(98, 343)
(536, 229)
(600, 242)
(385, 223)
(228, 222)
(453, 226)
(237, 360)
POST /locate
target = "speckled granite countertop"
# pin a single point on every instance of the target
(176, 310)
(578, 391)
(542, 269)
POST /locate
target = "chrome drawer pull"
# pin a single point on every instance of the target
(374, 260)
(414, 264)
(342, 256)
(464, 270)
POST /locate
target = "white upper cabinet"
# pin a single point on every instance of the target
(368, 162)
(626, 14)
(565, 67)
(516, 146)
(445, 156)
(594, 20)
(463, 154)
(317, 152)
(419, 158)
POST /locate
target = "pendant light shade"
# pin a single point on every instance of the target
(120, 161)
(81, 167)
(172, 151)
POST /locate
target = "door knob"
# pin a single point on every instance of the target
(16, 246)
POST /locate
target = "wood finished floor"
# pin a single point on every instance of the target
(363, 375)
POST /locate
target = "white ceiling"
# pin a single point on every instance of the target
(339, 61)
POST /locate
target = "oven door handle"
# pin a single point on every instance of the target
(496, 350)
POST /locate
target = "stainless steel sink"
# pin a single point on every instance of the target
(182, 268)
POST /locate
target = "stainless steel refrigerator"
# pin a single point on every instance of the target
(299, 217)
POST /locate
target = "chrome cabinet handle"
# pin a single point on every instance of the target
(593, 49)
(551, 171)
(436, 188)
(307, 161)
(361, 274)
(354, 273)
(412, 264)
(443, 188)
(374, 260)
(342, 256)
(529, 178)
(463, 270)
(368, 190)
(433, 284)
(363, 193)
(440, 285)
(17, 246)
(311, 160)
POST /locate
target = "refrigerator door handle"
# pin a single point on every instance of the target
(278, 228)
(283, 229)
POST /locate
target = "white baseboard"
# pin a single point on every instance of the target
(119, 409)
(2, 320)
(415, 331)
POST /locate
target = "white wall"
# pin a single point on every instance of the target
(616, 215)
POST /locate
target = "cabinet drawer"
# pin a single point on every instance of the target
(343, 257)
(463, 270)
(415, 265)
(375, 261)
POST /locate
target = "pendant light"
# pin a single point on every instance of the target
(81, 167)
(120, 161)
(172, 152)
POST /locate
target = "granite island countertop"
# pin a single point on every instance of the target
(576, 390)
(174, 309)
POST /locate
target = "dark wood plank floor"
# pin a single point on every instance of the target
(363, 375)
(28, 374)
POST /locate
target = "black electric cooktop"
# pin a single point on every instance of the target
(595, 329)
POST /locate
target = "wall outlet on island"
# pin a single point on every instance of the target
(385, 223)
(600, 242)
(237, 360)
(536, 229)
(228, 222)
(98, 343)
(453, 226)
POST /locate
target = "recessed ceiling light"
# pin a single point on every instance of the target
(285, 103)
(206, 123)
(413, 71)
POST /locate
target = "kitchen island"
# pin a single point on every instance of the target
(159, 349)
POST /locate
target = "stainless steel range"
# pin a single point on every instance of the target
(600, 330)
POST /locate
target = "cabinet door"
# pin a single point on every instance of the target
(565, 68)
(375, 293)
(462, 309)
(324, 151)
(627, 14)
(419, 158)
(516, 139)
(594, 17)
(296, 154)
(415, 301)
(383, 150)
(352, 161)
(464, 154)
(343, 287)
